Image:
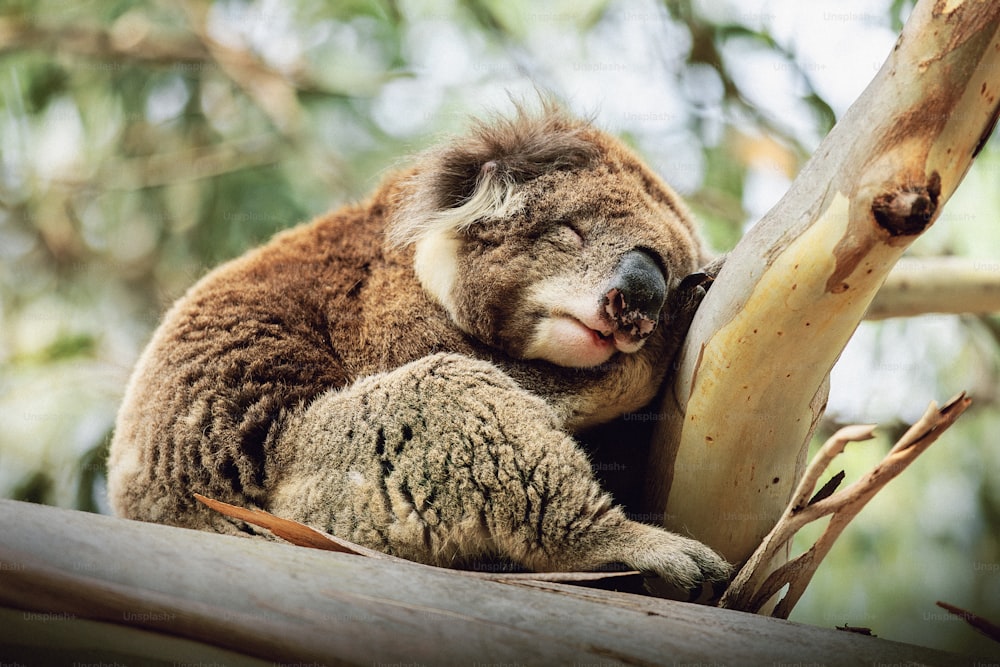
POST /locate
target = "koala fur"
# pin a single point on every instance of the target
(408, 372)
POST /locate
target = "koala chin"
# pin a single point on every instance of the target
(409, 372)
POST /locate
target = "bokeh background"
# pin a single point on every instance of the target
(144, 142)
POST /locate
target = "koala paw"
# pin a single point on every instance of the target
(685, 299)
(713, 268)
(680, 562)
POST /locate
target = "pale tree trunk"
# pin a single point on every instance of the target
(751, 380)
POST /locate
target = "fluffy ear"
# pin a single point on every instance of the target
(476, 177)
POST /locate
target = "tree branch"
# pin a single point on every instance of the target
(938, 285)
(287, 604)
(749, 387)
(134, 40)
(755, 584)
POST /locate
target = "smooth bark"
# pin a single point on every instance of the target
(750, 386)
(290, 604)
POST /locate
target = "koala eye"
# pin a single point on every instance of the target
(572, 233)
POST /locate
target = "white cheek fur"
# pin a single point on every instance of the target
(565, 334)
(435, 261)
(565, 341)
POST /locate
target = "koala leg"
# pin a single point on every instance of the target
(446, 460)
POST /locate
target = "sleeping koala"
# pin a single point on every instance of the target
(408, 373)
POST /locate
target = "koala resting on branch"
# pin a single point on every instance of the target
(408, 373)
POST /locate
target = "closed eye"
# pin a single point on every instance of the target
(573, 234)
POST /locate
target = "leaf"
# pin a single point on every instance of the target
(297, 533)
(828, 488)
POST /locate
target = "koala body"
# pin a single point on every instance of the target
(408, 372)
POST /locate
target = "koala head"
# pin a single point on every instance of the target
(546, 238)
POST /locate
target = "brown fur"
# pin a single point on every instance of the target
(303, 377)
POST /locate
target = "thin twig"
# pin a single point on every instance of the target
(756, 583)
(988, 628)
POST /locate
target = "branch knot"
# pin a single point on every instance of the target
(908, 210)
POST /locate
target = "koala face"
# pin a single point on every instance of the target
(547, 239)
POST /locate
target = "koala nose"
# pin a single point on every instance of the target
(635, 299)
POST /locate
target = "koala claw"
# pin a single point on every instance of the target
(713, 268)
(683, 564)
(696, 281)
(688, 565)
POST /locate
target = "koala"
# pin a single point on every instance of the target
(410, 372)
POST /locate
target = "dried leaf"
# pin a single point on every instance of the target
(302, 535)
(856, 629)
(297, 533)
(828, 488)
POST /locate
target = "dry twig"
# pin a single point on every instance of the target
(988, 628)
(756, 584)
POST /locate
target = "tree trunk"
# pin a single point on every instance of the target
(750, 387)
(290, 604)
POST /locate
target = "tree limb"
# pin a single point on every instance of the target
(133, 38)
(133, 41)
(954, 285)
(749, 387)
(287, 604)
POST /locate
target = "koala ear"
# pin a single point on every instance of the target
(478, 177)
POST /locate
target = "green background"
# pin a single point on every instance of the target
(144, 142)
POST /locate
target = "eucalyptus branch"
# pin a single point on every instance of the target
(938, 285)
(756, 584)
(749, 386)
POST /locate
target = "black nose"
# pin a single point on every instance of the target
(637, 293)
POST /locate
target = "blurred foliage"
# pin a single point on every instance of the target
(143, 142)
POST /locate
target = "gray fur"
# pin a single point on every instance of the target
(447, 460)
(307, 378)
